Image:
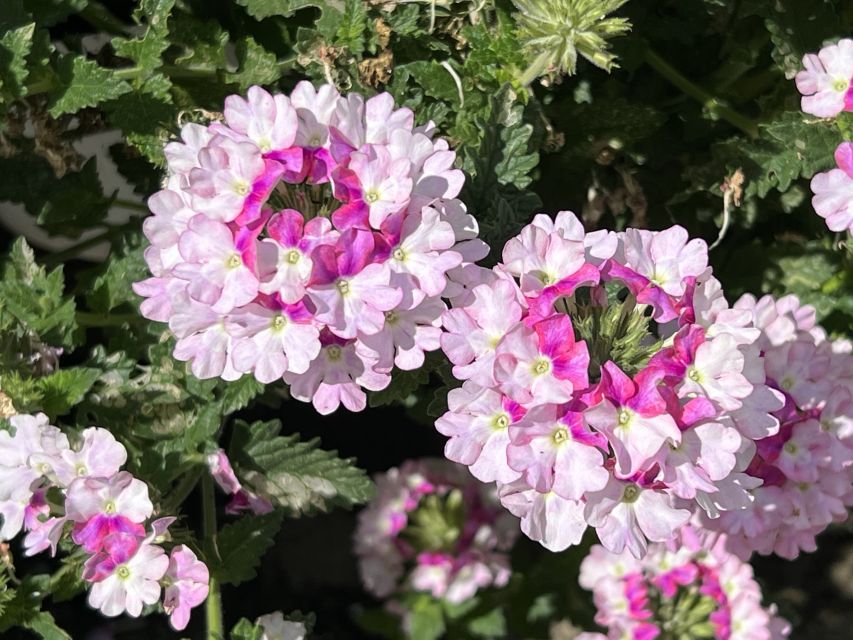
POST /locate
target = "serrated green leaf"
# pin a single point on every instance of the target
(68, 581)
(238, 394)
(26, 604)
(15, 45)
(110, 288)
(352, 27)
(255, 65)
(260, 9)
(146, 119)
(65, 388)
(146, 51)
(44, 625)
(296, 475)
(76, 203)
(35, 298)
(241, 546)
(82, 83)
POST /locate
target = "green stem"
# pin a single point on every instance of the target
(76, 249)
(130, 204)
(89, 319)
(536, 68)
(213, 604)
(656, 62)
(100, 17)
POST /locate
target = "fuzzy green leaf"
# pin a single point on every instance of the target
(260, 9)
(34, 297)
(242, 545)
(15, 44)
(294, 474)
(82, 83)
(76, 202)
(256, 65)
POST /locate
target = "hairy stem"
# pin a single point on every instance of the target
(536, 68)
(710, 102)
(213, 604)
(76, 249)
(100, 17)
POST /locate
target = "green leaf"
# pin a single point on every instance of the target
(260, 9)
(796, 28)
(488, 625)
(147, 50)
(76, 203)
(296, 475)
(242, 545)
(65, 388)
(245, 630)
(33, 297)
(238, 394)
(68, 581)
(44, 626)
(255, 65)
(499, 169)
(15, 44)
(24, 607)
(426, 619)
(110, 288)
(82, 83)
(352, 27)
(146, 118)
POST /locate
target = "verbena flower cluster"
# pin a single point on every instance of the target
(826, 83)
(607, 383)
(105, 510)
(431, 528)
(307, 238)
(806, 469)
(689, 592)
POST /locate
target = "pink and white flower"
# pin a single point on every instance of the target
(826, 79)
(833, 191)
(126, 574)
(186, 586)
(100, 507)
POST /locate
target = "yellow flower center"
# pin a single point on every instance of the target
(371, 196)
(234, 261)
(560, 435)
(110, 507)
(399, 254)
(278, 323)
(241, 188)
(623, 417)
(122, 572)
(293, 256)
(343, 287)
(500, 421)
(631, 493)
(694, 374)
(333, 352)
(541, 366)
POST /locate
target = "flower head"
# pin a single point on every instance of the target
(559, 30)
